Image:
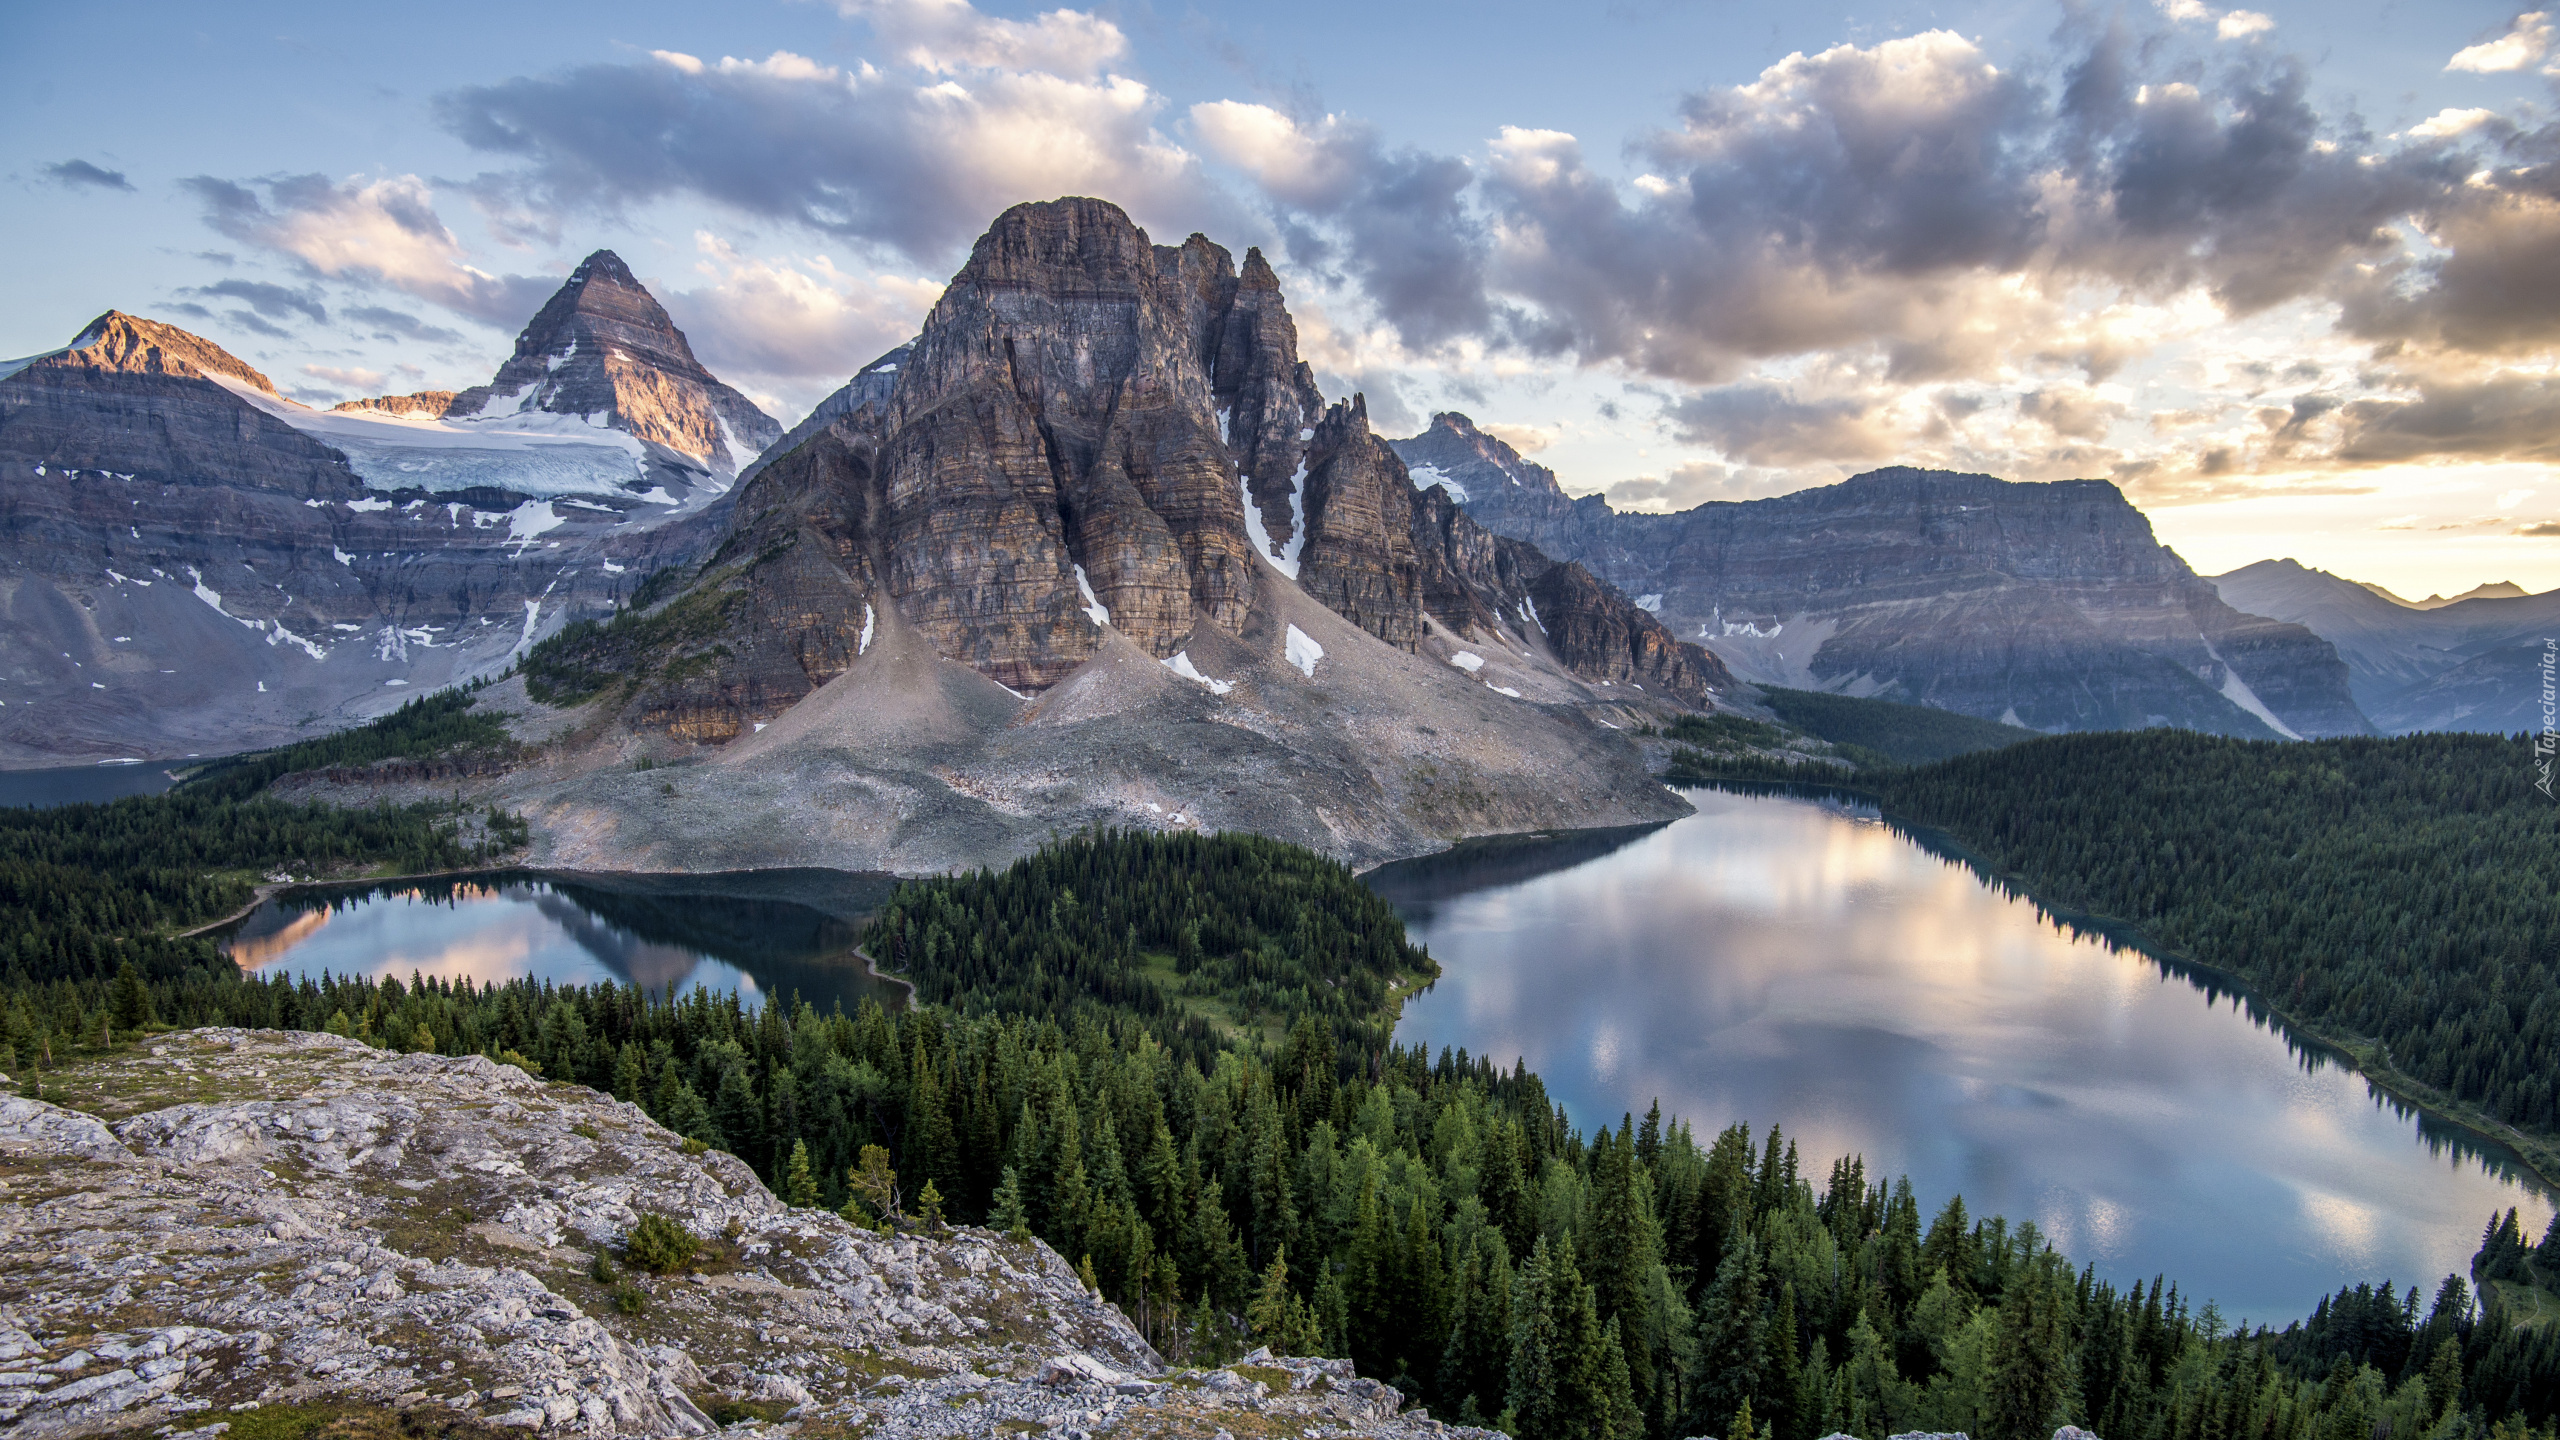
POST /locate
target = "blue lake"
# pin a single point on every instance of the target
(764, 935)
(1781, 959)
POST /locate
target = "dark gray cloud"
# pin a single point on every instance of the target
(1395, 222)
(400, 324)
(1763, 424)
(915, 165)
(275, 302)
(2496, 416)
(248, 320)
(76, 173)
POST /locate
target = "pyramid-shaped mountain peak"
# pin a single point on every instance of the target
(602, 346)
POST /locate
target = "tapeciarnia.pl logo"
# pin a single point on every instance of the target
(2547, 744)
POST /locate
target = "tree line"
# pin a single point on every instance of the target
(1437, 1219)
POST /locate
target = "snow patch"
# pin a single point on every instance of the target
(341, 556)
(532, 615)
(1426, 476)
(1224, 412)
(1502, 690)
(1181, 665)
(531, 520)
(1094, 609)
(1529, 612)
(362, 506)
(1283, 558)
(1650, 604)
(2237, 691)
(1303, 651)
(1467, 660)
(612, 569)
(278, 635)
(863, 645)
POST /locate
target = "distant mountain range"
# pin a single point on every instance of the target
(2473, 662)
(1092, 549)
(192, 563)
(2045, 605)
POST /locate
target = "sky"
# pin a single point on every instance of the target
(2289, 276)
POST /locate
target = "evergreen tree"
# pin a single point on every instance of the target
(800, 1185)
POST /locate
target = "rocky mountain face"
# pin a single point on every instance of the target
(2472, 663)
(602, 346)
(191, 563)
(2047, 605)
(1096, 435)
(234, 1220)
(1089, 538)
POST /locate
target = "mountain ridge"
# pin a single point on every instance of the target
(2047, 604)
(193, 563)
(2473, 663)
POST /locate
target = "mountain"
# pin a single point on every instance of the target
(191, 563)
(1093, 549)
(2494, 590)
(2472, 663)
(603, 346)
(2045, 605)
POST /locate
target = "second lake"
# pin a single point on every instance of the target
(1777, 959)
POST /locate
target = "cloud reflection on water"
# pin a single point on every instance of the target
(1776, 959)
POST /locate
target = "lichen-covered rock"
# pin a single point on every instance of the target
(229, 1220)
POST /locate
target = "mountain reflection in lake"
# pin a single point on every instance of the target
(1778, 959)
(759, 934)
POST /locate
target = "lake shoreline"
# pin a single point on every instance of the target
(2538, 1155)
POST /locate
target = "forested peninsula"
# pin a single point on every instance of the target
(2392, 897)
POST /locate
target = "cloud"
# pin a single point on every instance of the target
(76, 173)
(248, 320)
(920, 163)
(2449, 122)
(1393, 221)
(1686, 486)
(2499, 415)
(1527, 439)
(1765, 424)
(400, 324)
(945, 36)
(275, 302)
(2241, 24)
(369, 381)
(784, 321)
(381, 232)
(2528, 37)
(2541, 528)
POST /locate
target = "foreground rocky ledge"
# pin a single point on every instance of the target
(225, 1222)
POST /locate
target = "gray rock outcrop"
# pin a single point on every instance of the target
(233, 1220)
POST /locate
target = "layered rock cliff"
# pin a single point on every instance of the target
(1092, 550)
(2048, 605)
(1097, 436)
